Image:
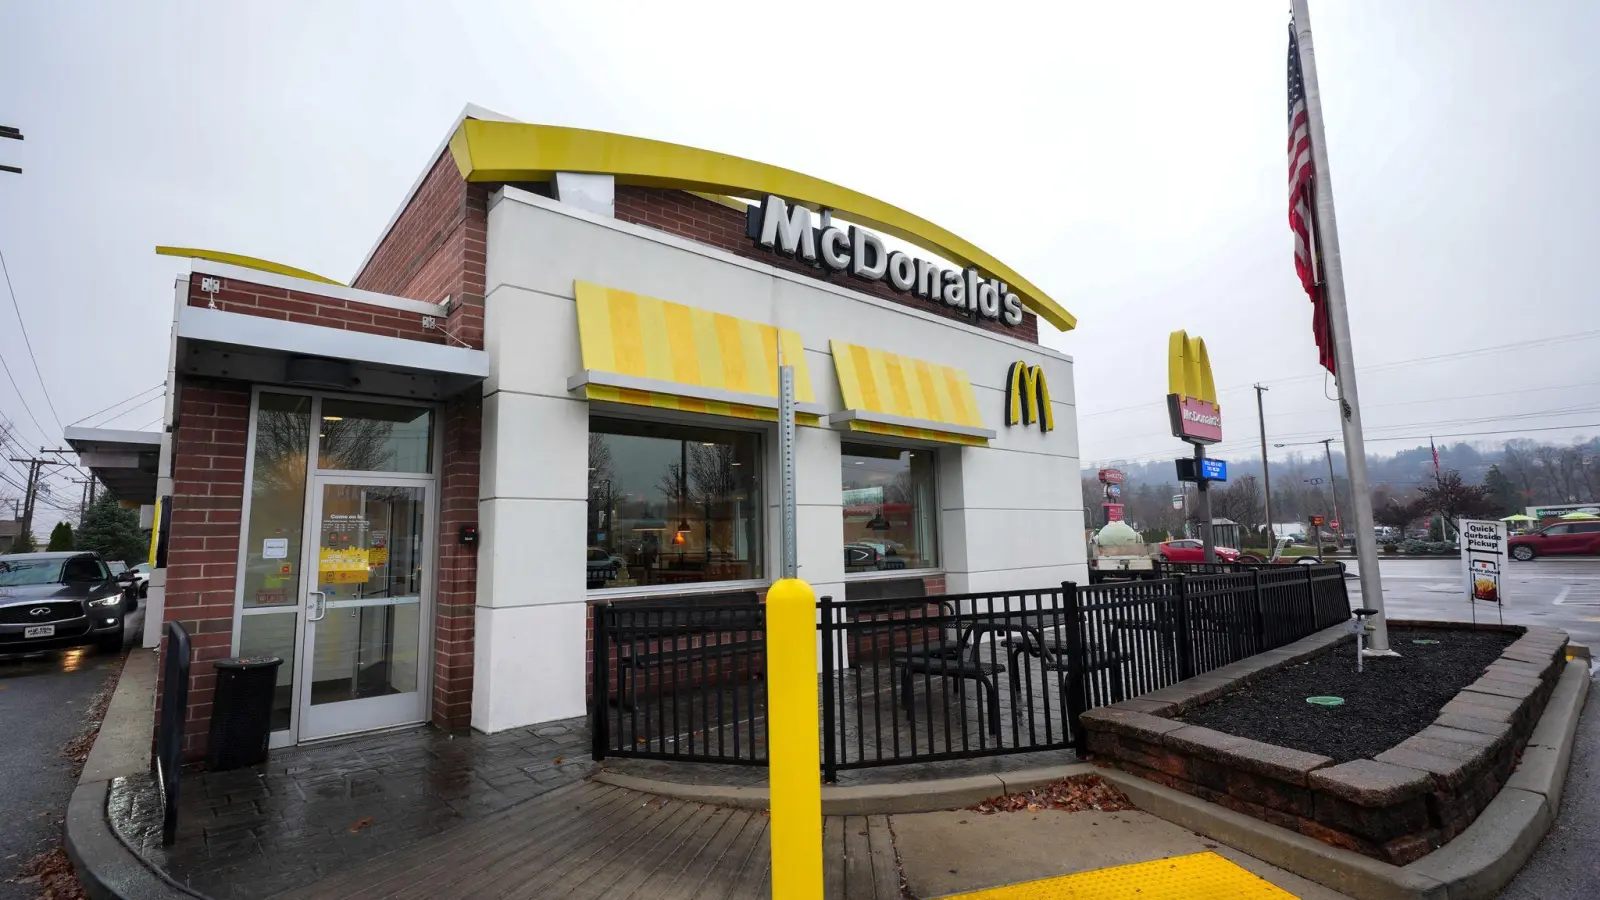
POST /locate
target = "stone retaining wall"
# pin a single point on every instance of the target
(1398, 807)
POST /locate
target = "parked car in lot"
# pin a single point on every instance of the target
(1560, 539)
(1191, 550)
(49, 601)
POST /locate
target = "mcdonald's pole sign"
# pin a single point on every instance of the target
(1191, 393)
(1028, 397)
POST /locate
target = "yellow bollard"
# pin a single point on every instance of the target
(793, 750)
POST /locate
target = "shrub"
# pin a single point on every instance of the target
(1391, 548)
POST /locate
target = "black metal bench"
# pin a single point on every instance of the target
(1047, 646)
(706, 616)
(957, 660)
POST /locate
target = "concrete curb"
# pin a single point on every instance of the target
(107, 868)
(864, 799)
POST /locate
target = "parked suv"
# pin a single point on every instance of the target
(49, 601)
(1558, 539)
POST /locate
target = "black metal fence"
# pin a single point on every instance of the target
(169, 734)
(681, 680)
(953, 676)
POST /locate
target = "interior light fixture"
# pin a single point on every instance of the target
(683, 526)
(333, 418)
(878, 523)
(860, 462)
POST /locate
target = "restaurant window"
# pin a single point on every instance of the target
(889, 509)
(672, 504)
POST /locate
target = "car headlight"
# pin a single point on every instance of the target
(113, 600)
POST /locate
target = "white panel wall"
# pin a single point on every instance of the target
(1011, 514)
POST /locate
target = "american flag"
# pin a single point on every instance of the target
(1302, 198)
(1435, 458)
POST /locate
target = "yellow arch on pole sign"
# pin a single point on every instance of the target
(1189, 368)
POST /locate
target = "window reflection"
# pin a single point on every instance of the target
(889, 508)
(671, 504)
(277, 501)
(356, 436)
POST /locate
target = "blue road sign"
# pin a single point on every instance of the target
(1214, 469)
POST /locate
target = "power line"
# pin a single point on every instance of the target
(1399, 363)
(120, 402)
(146, 402)
(28, 343)
(25, 407)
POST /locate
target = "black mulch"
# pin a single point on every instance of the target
(1395, 697)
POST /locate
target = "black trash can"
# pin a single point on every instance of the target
(241, 711)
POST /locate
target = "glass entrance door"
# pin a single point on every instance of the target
(367, 607)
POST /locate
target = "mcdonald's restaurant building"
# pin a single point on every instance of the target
(553, 383)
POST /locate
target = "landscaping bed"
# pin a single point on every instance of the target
(1451, 721)
(1374, 715)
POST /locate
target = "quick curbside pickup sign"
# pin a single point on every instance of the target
(1191, 392)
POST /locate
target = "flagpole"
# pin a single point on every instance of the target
(1327, 237)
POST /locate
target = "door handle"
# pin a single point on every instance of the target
(319, 607)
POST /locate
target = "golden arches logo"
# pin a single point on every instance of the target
(1028, 397)
(1189, 368)
(1191, 392)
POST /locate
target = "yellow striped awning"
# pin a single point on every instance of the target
(648, 352)
(904, 397)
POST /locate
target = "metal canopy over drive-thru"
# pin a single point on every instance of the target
(123, 461)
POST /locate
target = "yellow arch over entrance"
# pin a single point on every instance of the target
(514, 151)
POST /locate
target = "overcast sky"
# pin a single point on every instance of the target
(1128, 158)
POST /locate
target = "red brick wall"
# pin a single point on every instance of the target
(455, 604)
(253, 299)
(436, 249)
(699, 219)
(202, 558)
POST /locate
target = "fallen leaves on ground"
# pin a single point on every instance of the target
(53, 874)
(559, 759)
(1075, 794)
(77, 749)
(360, 824)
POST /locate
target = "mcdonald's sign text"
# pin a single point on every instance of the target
(1028, 397)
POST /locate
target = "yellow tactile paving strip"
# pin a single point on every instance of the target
(1198, 876)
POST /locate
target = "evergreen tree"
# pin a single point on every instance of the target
(24, 543)
(60, 537)
(113, 531)
(1501, 491)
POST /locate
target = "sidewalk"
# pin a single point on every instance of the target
(420, 814)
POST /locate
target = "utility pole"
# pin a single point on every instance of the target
(1333, 488)
(31, 496)
(1266, 476)
(28, 496)
(1202, 490)
(15, 134)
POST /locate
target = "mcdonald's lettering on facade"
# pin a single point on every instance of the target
(1028, 397)
(1191, 392)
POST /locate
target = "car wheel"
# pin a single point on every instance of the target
(1522, 552)
(144, 590)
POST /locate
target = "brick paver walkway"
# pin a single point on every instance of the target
(311, 812)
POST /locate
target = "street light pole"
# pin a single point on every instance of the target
(1266, 476)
